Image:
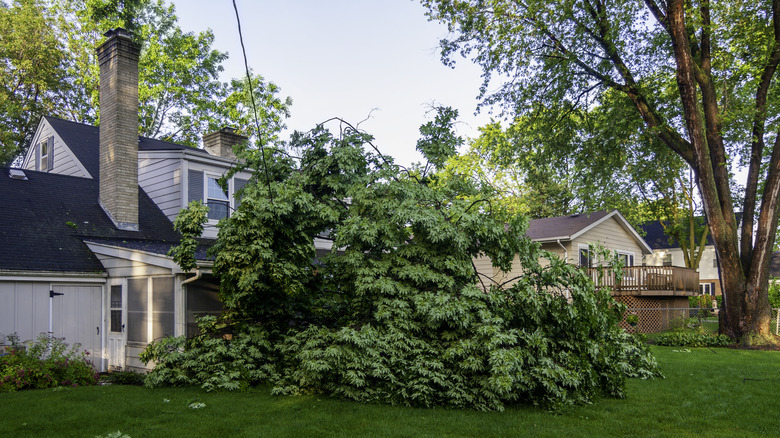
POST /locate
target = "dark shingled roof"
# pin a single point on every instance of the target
(45, 220)
(657, 238)
(84, 141)
(562, 226)
(155, 247)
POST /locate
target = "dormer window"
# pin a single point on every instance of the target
(45, 155)
(217, 200)
(204, 186)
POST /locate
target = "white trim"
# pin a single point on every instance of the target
(74, 277)
(132, 254)
(146, 257)
(627, 253)
(585, 246)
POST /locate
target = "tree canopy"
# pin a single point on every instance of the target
(181, 95)
(701, 77)
(396, 311)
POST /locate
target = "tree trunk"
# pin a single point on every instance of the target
(746, 312)
(745, 315)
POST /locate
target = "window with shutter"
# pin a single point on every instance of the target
(238, 184)
(194, 186)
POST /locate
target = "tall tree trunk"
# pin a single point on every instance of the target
(746, 313)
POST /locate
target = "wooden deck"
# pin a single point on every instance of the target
(650, 280)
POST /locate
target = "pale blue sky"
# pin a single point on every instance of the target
(344, 58)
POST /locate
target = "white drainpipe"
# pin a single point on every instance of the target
(198, 274)
(566, 258)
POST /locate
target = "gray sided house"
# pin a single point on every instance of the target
(87, 224)
(668, 253)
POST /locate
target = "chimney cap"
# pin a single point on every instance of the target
(119, 31)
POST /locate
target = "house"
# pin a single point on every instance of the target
(87, 224)
(573, 238)
(666, 252)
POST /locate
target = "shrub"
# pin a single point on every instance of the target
(701, 301)
(689, 339)
(774, 293)
(210, 360)
(124, 378)
(45, 363)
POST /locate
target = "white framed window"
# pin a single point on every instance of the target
(585, 256)
(44, 155)
(626, 257)
(667, 259)
(216, 199)
(204, 186)
(707, 288)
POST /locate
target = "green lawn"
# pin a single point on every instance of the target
(711, 393)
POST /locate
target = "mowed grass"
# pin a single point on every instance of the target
(713, 393)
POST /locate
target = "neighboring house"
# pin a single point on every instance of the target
(86, 226)
(668, 253)
(573, 238)
(774, 266)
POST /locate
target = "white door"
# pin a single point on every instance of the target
(77, 316)
(116, 327)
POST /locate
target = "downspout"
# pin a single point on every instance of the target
(566, 258)
(565, 251)
(197, 276)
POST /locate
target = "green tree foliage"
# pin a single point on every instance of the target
(180, 94)
(397, 311)
(31, 64)
(701, 76)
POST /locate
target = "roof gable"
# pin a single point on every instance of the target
(84, 142)
(566, 228)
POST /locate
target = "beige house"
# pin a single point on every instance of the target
(573, 238)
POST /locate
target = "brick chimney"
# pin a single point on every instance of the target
(220, 143)
(118, 59)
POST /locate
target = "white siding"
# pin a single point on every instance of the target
(161, 180)
(707, 271)
(65, 162)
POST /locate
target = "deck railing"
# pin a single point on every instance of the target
(637, 279)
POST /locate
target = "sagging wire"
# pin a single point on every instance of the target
(252, 98)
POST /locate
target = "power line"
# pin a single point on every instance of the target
(254, 106)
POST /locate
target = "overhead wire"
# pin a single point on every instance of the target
(254, 105)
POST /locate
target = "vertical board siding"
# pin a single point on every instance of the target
(24, 310)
